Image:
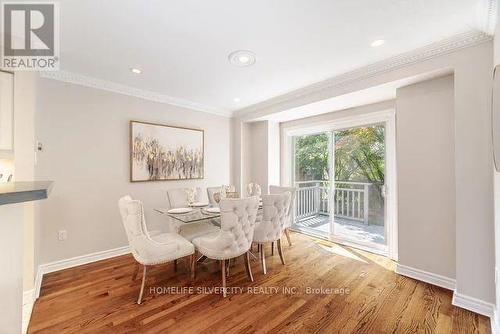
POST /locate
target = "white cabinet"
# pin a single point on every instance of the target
(6, 113)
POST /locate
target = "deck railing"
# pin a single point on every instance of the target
(350, 199)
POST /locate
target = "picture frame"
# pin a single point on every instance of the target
(161, 152)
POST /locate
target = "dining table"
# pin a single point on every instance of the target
(198, 214)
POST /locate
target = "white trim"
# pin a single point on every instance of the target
(427, 277)
(473, 304)
(391, 197)
(434, 50)
(83, 80)
(75, 261)
(490, 8)
(38, 283)
(495, 323)
(28, 297)
(460, 300)
(388, 118)
(28, 302)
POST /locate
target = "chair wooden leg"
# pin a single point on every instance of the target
(228, 267)
(136, 271)
(272, 248)
(175, 265)
(223, 271)
(287, 234)
(263, 259)
(248, 267)
(139, 300)
(193, 262)
(280, 251)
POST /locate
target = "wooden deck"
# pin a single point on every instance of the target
(370, 298)
(354, 230)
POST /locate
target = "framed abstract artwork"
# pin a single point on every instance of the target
(161, 152)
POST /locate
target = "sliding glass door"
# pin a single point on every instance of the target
(358, 208)
(341, 180)
(312, 161)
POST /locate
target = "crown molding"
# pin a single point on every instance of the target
(443, 47)
(491, 14)
(83, 80)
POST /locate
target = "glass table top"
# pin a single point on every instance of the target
(198, 214)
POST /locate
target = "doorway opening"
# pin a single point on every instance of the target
(344, 173)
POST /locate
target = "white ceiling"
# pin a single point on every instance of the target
(182, 46)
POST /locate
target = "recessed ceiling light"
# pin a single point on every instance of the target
(135, 70)
(242, 58)
(377, 42)
(236, 99)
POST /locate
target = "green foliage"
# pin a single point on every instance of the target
(311, 157)
(359, 155)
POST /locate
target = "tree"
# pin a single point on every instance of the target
(311, 157)
(359, 155)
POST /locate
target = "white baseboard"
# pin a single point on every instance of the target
(427, 277)
(459, 300)
(495, 323)
(28, 302)
(74, 262)
(28, 297)
(473, 304)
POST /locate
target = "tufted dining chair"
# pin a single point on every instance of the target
(178, 198)
(235, 235)
(210, 194)
(291, 208)
(270, 229)
(150, 250)
(253, 189)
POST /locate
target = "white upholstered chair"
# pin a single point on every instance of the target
(275, 214)
(210, 194)
(150, 250)
(253, 189)
(291, 209)
(235, 236)
(178, 198)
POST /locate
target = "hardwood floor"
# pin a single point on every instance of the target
(370, 298)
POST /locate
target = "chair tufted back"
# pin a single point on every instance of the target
(291, 209)
(132, 213)
(210, 194)
(275, 214)
(237, 228)
(178, 198)
(253, 189)
(145, 250)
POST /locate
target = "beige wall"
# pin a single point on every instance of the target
(273, 153)
(24, 160)
(496, 184)
(473, 174)
(236, 153)
(261, 154)
(85, 134)
(426, 176)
